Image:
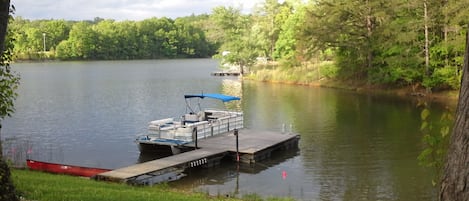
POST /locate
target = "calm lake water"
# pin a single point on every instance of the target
(352, 147)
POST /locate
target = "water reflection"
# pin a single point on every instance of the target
(352, 147)
(145, 157)
(16, 150)
(225, 178)
(232, 87)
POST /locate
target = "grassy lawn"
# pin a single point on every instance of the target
(48, 187)
(39, 186)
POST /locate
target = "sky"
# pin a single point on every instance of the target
(121, 9)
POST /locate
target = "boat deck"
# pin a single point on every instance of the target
(253, 146)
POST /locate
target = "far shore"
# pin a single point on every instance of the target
(446, 97)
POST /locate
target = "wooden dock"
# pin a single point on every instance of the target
(225, 73)
(253, 146)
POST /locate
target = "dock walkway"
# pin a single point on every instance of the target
(252, 145)
(225, 73)
(163, 169)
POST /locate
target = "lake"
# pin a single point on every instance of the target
(352, 146)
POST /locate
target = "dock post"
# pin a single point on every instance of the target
(237, 145)
(194, 134)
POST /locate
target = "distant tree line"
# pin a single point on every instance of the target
(108, 39)
(395, 42)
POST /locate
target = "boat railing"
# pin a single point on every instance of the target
(219, 126)
(219, 122)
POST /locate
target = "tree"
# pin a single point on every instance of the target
(291, 20)
(455, 182)
(269, 32)
(82, 43)
(55, 30)
(350, 27)
(237, 37)
(447, 54)
(8, 83)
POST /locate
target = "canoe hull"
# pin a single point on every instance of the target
(64, 169)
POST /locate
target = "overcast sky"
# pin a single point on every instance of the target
(121, 9)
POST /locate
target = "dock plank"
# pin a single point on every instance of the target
(250, 141)
(159, 164)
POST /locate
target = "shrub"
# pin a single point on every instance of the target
(328, 70)
(395, 76)
(443, 78)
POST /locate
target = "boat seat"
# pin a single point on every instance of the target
(162, 121)
(191, 117)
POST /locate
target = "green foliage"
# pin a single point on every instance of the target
(351, 27)
(286, 45)
(9, 80)
(107, 39)
(7, 190)
(381, 42)
(239, 48)
(399, 76)
(268, 19)
(328, 70)
(444, 78)
(435, 141)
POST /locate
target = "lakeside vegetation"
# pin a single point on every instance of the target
(41, 186)
(395, 44)
(102, 39)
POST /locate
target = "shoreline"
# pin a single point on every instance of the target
(447, 97)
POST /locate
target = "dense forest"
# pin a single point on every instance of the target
(395, 42)
(108, 39)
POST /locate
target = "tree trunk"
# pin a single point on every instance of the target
(427, 54)
(4, 16)
(455, 181)
(7, 190)
(369, 32)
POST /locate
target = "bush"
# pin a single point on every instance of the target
(443, 78)
(328, 70)
(395, 76)
(7, 190)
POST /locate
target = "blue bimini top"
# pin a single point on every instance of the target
(224, 98)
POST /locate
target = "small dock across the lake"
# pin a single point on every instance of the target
(253, 146)
(225, 73)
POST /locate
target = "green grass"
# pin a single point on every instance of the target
(305, 75)
(40, 186)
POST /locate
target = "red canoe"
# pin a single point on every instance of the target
(64, 169)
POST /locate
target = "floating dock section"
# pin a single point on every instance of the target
(225, 73)
(253, 146)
